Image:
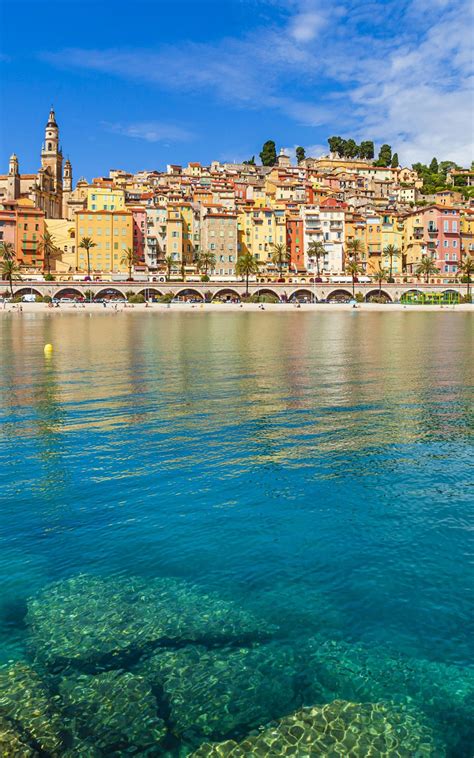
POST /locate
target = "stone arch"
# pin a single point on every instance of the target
(341, 295)
(188, 293)
(226, 292)
(412, 296)
(451, 295)
(375, 294)
(302, 295)
(109, 293)
(266, 291)
(150, 293)
(24, 291)
(70, 292)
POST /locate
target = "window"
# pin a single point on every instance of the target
(454, 226)
(454, 243)
(446, 226)
(445, 243)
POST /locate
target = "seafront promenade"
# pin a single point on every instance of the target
(306, 293)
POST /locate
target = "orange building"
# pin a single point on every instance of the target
(295, 243)
(28, 223)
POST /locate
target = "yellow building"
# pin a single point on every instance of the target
(413, 240)
(63, 233)
(373, 242)
(174, 236)
(258, 229)
(467, 232)
(112, 234)
(392, 234)
(105, 199)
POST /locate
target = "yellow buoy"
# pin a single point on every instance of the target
(48, 349)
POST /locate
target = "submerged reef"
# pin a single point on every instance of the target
(27, 706)
(338, 729)
(356, 672)
(115, 712)
(214, 693)
(129, 666)
(88, 620)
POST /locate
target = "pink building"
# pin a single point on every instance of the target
(7, 226)
(139, 232)
(442, 236)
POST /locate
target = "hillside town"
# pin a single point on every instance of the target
(346, 212)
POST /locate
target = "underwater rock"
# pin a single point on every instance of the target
(340, 730)
(12, 745)
(26, 704)
(356, 672)
(112, 713)
(214, 693)
(87, 620)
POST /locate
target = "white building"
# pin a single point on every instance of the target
(324, 224)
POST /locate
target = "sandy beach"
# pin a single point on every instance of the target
(8, 309)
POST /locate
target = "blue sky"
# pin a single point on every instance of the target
(141, 84)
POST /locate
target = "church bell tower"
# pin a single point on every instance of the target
(51, 155)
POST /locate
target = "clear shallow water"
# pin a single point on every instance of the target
(316, 469)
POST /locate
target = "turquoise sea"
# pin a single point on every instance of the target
(210, 521)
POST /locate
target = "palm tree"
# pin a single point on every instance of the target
(466, 269)
(353, 268)
(169, 265)
(380, 275)
(48, 247)
(316, 250)
(245, 266)
(87, 244)
(280, 255)
(7, 251)
(206, 261)
(355, 248)
(10, 272)
(426, 268)
(391, 252)
(129, 258)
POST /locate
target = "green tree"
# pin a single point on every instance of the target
(129, 259)
(466, 269)
(280, 255)
(47, 246)
(434, 168)
(317, 251)
(206, 261)
(336, 145)
(7, 251)
(445, 166)
(10, 272)
(426, 268)
(87, 244)
(395, 162)
(355, 249)
(391, 252)
(385, 156)
(354, 269)
(366, 149)
(300, 154)
(250, 162)
(169, 265)
(268, 156)
(351, 149)
(246, 266)
(380, 275)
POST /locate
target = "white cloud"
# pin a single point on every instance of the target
(304, 27)
(151, 131)
(408, 84)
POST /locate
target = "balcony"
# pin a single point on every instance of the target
(432, 229)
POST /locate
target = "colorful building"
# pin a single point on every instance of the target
(105, 198)
(23, 226)
(219, 236)
(112, 233)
